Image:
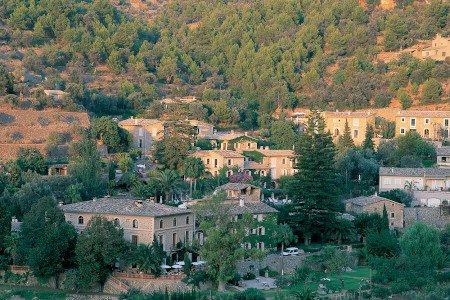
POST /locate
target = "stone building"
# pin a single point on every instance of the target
(432, 125)
(141, 220)
(435, 216)
(376, 204)
(439, 50)
(430, 198)
(215, 160)
(434, 179)
(443, 156)
(357, 122)
(238, 191)
(202, 129)
(144, 132)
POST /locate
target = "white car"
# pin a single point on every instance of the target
(290, 251)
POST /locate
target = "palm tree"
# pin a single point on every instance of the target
(193, 168)
(410, 186)
(283, 234)
(166, 181)
(11, 242)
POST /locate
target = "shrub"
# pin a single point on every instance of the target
(250, 294)
(381, 292)
(235, 280)
(249, 276)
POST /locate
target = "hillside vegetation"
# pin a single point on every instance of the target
(244, 59)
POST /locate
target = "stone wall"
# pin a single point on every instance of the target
(430, 198)
(429, 215)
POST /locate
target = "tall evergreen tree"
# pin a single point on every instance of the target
(385, 220)
(368, 140)
(313, 188)
(345, 141)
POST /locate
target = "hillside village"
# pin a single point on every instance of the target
(224, 150)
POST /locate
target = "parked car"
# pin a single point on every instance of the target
(290, 251)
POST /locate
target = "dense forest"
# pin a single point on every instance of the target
(245, 59)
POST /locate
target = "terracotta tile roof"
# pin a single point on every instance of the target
(124, 206)
(277, 153)
(425, 114)
(139, 122)
(235, 186)
(251, 208)
(223, 153)
(253, 165)
(443, 151)
(349, 114)
(367, 200)
(415, 172)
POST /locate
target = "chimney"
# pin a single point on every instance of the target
(138, 203)
(14, 219)
(94, 199)
(241, 202)
(60, 203)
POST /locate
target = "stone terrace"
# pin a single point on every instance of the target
(30, 128)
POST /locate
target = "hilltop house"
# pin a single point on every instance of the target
(435, 179)
(439, 50)
(56, 94)
(144, 132)
(215, 160)
(277, 163)
(376, 204)
(141, 220)
(357, 122)
(443, 156)
(432, 125)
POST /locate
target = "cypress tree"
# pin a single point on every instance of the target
(313, 188)
(368, 140)
(346, 141)
(384, 221)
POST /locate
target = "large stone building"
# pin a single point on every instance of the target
(144, 132)
(215, 160)
(434, 179)
(277, 163)
(439, 50)
(141, 220)
(432, 125)
(241, 191)
(376, 204)
(357, 122)
(443, 156)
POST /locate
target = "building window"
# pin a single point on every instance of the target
(161, 223)
(116, 222)
(392, 215)
(207, 161)
(135, 224)
(229, 162)
(187, 220)
(355, 133)
(174, 239)
(174, 222)
(336, 132)
(402, 130)
(427, 121)
(284, 161)
(215, 163)
(134, 239)
(392, 224)
(413, 122)
(285, 172)
(403, 120)
(446, 122)
(140, 143)
(426, 133)
(80, 220)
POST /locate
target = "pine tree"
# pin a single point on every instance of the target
(368, 140)
(313, 189)
(346, 141)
